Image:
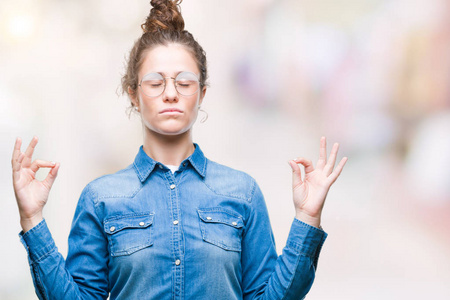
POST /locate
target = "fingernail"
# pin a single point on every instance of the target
(53, 163)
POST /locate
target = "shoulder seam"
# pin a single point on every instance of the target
(252, 191)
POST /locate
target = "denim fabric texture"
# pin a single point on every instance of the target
(202, 232)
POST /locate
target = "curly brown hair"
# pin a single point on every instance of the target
(164, 25)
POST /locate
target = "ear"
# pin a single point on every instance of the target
(202, 95)
(133, 97)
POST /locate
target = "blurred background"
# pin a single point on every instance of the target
(371, 74)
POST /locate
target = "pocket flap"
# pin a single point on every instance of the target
(117, 223)
(220, 215)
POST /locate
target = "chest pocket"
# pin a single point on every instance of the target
(221, 227)
(129, 233)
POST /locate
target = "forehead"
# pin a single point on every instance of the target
(168, 60)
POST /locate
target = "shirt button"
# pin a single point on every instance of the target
(208, 218)
(141, 224)
(160, 166)
(234, 224)
(172, 186)
(112, 228)
(178, 262)
(175, 222)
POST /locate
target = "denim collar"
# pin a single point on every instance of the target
(144, 164)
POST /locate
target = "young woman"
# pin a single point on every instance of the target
(172, 225)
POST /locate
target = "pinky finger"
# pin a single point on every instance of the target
(337, 171)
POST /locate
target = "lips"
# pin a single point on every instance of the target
(171, 110)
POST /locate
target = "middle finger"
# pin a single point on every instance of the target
(30, 150)
(332, 159)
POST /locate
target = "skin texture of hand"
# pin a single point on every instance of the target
(309, 193)
(31, 194)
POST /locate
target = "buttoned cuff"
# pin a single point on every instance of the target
(38, 242)
(305, 238)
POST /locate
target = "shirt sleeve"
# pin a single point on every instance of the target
(268, 276)
(84, 274)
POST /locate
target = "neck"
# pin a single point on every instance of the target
(168, 149)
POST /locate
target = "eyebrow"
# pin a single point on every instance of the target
(176, 74)
(165, 75)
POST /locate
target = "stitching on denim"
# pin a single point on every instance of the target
(34, 229)
(241, 197)
(95, 202)
(88, 188)
(46, 254)
(131, 250)
(223, 194)
(220, 209)
(213, 241)
(201, 171)
(204, 168)
(221, 245)
(40, 286)
(141, 177)
(253, 191)
(299, 248)
(122, 196)
(148, 242)
(132, 215)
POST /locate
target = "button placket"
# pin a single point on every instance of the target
(177, 245)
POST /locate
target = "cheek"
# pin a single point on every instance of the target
(146, 105)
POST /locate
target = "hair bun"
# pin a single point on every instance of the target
(165, 15)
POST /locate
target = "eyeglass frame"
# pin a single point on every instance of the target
(174, 82)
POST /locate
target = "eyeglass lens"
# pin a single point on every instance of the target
(186, 84)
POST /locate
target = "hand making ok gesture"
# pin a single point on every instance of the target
(310, 192)
(31, 194)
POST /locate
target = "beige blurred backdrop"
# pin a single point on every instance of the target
(371, 74)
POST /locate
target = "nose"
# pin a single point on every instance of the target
(170, 92)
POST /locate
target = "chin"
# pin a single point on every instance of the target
(172, 131)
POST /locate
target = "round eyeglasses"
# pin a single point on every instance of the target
(154, 84)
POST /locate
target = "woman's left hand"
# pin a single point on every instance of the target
(310, 193)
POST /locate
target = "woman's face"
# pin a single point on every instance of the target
(169, 113)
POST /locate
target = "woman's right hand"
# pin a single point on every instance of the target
(31, 194)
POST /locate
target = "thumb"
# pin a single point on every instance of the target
(51, 176)
(296, 174)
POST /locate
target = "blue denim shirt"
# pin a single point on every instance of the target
(202, 232)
